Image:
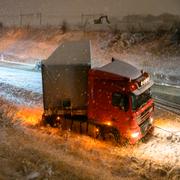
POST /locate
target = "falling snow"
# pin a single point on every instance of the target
(29, 150)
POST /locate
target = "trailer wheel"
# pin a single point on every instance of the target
(52, 120)
(46, 120)
(58, 121)
(43, 121)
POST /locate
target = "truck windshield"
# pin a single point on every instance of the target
(140, 100)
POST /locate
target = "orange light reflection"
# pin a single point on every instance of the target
(29, 116)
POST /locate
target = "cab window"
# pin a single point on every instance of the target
(120, 100)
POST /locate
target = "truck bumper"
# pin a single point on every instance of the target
(144, 128)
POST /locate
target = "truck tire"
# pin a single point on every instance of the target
(110, 135)
(123, 141)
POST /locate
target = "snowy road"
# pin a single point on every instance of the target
(168, 93)
(31, 81)
(28, 80)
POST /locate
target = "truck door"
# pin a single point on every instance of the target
(120, 108)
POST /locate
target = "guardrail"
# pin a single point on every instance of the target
(169, 106)
(22, 66)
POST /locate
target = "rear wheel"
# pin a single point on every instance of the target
(52, 120)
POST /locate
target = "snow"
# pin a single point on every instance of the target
(161, 150)
(28, 150)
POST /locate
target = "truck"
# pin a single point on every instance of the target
(111, 102)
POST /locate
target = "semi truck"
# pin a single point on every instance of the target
(110, 102)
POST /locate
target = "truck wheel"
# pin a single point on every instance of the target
(112, 136)
(123, 141)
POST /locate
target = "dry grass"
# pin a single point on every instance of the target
(51, 153)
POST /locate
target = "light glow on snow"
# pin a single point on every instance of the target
(167, 127)
(29, 116)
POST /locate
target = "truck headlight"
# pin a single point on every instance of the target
(135, 134)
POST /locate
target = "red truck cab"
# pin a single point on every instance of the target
(120, 100)
(113, 100)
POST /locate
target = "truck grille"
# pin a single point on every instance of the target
(144, 115)
(145, 126)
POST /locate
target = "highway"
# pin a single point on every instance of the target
(168, 93)
(27, 80)
(21, 78)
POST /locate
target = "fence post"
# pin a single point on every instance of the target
(21, 16)
(40, 18)
(39, 15)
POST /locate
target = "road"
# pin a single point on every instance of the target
(167, 93)
(32, 81)
(28, 80)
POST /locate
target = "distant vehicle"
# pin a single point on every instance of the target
(113, 101)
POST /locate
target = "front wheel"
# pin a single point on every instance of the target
(110, 134)
(115, 137)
